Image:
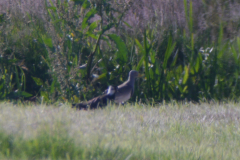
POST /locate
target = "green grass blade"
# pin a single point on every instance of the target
(140, 63)
(47, 41)
(139, 45)
(238, 43)
(191, 16)
(145, 53)
(25, 94)
(222, 50)
(93, 26)
(168, 52)
(234, 52)
(86, 4)
(185, 78)
(52, 88)
(185, 9)
(38, 81)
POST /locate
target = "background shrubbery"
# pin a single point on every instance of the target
(186, 49)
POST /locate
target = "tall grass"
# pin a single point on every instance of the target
(181, 59)
(167, 131)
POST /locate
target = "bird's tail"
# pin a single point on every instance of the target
(80, 106)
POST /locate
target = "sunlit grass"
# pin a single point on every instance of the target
(173, 131)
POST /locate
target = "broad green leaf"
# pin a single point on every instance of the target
(170, 48)
(2, 16)
(47, 41)
(145, 45)
(185, 89)
(180, 88)
(24, 94)
(198, 62)
(234, 54)
(192, 43)
(238, 43)
(1, 86)
(93, 26)
(185, 75)
(38, 81)
(140, 63)
(86, 4)
(145, 54)
(53, 86)
(59, 2)
(153, 58)
(90, 14)
(222, 50)
(175, 59)
(104, 75)
(57, 21)
(53, 8)
(190, 16)
(122, 49)
(50, 14)
(44, 95)
(139, 45)
(18, 94)
(185, 9)
(75, 60)
(92, 35)
(17, 78)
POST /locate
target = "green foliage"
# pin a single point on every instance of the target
(40, 57)
(121, 55)
(89, 15)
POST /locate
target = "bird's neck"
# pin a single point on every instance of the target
(131, 81)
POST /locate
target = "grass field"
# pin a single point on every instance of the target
(169, 131)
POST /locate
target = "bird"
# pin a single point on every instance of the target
(97, 102)
(125, 90)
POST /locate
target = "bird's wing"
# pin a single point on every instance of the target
(99, 101)
(96, 102)
(123, 93)
(93, 103)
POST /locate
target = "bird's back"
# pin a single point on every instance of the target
(123, 93)
(96, 102)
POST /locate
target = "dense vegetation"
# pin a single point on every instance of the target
(185, 49)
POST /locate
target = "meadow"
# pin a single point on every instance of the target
(134, 131)
(57, 52)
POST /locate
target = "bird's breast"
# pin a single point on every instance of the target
(122, 97)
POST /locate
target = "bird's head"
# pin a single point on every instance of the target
(134, 74)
